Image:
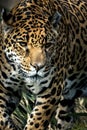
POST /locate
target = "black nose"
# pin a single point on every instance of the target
(37, 67)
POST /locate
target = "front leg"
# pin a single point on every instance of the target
(6, 123)
(64, 114)
(42, 112)
(8, 102)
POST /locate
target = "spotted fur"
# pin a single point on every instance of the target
(43, 47)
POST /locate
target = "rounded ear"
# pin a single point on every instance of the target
(5, 25)
(7, 17)
(55, 19)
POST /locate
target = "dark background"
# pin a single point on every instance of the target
(8, 4)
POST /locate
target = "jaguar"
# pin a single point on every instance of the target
(43, 49)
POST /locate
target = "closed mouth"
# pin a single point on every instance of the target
(27, 75)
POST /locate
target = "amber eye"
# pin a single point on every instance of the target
(23, 44)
